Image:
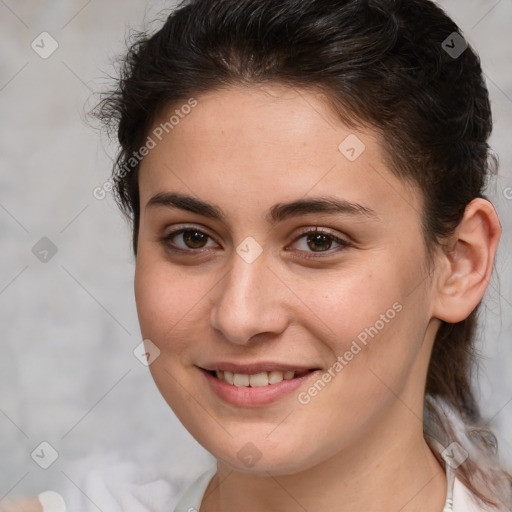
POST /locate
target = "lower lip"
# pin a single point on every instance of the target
(254, 397)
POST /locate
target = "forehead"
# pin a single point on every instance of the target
(260, 116)
(267, 144)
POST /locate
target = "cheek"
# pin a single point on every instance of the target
(171, 304)
(353, 303)
(373, 320)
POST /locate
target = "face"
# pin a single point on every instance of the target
(281, 278)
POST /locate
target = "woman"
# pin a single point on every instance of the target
(305, 181)
(305, 184)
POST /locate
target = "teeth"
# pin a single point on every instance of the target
(275, 377)
(239, 379)
(257, 379)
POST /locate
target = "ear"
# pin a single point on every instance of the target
(466, 264)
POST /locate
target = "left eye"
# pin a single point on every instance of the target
(319, 241)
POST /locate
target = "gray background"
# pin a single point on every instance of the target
(69, 326)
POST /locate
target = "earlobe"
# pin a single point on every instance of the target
(468, 262)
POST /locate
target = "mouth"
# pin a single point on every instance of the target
(255, 385)
(257, 380)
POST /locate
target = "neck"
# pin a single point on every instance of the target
(391, 467)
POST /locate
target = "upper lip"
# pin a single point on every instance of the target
(253, 368)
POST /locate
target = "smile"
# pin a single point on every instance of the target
(257, 380)
(256, 388)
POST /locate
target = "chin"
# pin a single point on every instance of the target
(262, 458)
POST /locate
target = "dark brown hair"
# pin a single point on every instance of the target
(384, 64)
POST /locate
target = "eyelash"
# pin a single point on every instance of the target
(166, 241)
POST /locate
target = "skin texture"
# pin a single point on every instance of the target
(359, 441)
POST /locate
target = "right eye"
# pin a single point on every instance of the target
(191, 238)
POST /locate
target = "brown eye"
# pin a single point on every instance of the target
(316, 241)
(194, 239)
(187, 239)
(319, 241)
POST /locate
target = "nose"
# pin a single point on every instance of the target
(249, 301)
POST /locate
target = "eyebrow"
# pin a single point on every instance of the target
(277, 213)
